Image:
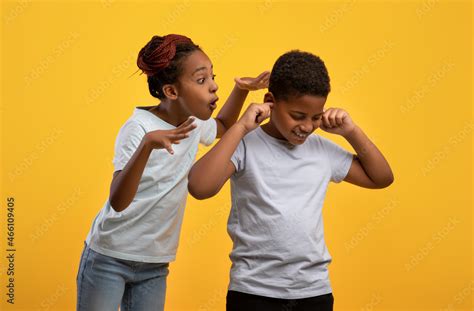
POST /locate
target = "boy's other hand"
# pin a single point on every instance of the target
(254, 115)
(337, 121)
(252, 84)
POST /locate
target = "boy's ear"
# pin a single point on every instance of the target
(170, 91)
(268, 98)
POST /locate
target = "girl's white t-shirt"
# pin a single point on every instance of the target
(148, 229)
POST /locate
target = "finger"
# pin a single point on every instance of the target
(332, 118)
(267, 113)
(267, 108)
(189, 121)
(257, 116)
(324, 128)
(269, 104)
(341, 114)
(258, 112)
(262, 75)
(263, 84)
(261, 117)
(177, 136)
(169, 148)
(325, 119)
(325, 124)
(184, 129)
(263, 114)
(263, 81)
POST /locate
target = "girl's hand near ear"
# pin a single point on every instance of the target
(253, 84)
(230, 111)
(160, 139)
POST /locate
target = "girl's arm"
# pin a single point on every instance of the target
(369, 169)
(209, 174)
(231, 109)
(125, 182)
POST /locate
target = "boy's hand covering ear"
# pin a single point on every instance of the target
(337, 121)
(254, 115)
(253, 84)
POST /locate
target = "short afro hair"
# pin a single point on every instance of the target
(297, 73)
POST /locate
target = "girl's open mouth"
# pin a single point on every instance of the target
(213, 104)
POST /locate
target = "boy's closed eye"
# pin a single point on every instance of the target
(298, 116)
(302, 116)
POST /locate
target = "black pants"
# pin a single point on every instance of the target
(237, 301)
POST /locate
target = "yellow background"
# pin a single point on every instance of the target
(403, 70)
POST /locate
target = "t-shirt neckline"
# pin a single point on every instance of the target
(153, 116)
(275, 140)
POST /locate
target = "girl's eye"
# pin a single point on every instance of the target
(213, 77)
(317, 118)
(201, 81)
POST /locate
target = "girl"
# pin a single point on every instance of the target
(135, 235)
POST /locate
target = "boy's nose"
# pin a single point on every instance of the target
(306, 127)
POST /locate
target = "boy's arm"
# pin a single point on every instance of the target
(209, 174)
(231, 109)
(369, 168)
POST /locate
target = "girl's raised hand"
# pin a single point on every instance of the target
(252, 84)
(254, 115)
(160, 139)
(337, 121)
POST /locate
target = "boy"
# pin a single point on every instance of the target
(279, 176)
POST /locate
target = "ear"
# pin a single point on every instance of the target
(170, 91)
(269, 98)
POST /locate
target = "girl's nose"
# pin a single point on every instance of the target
(214, 87)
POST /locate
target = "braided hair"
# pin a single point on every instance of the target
(161, 60)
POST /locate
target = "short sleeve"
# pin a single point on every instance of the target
(127, 142)
(340, 160)
(208, 131)
(238, 157)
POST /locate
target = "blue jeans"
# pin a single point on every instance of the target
(104, 283)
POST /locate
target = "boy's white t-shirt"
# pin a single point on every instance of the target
(276, 222)
(148, 229)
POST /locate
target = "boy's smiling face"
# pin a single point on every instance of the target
(296, 118)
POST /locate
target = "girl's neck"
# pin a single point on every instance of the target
(170, 112)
